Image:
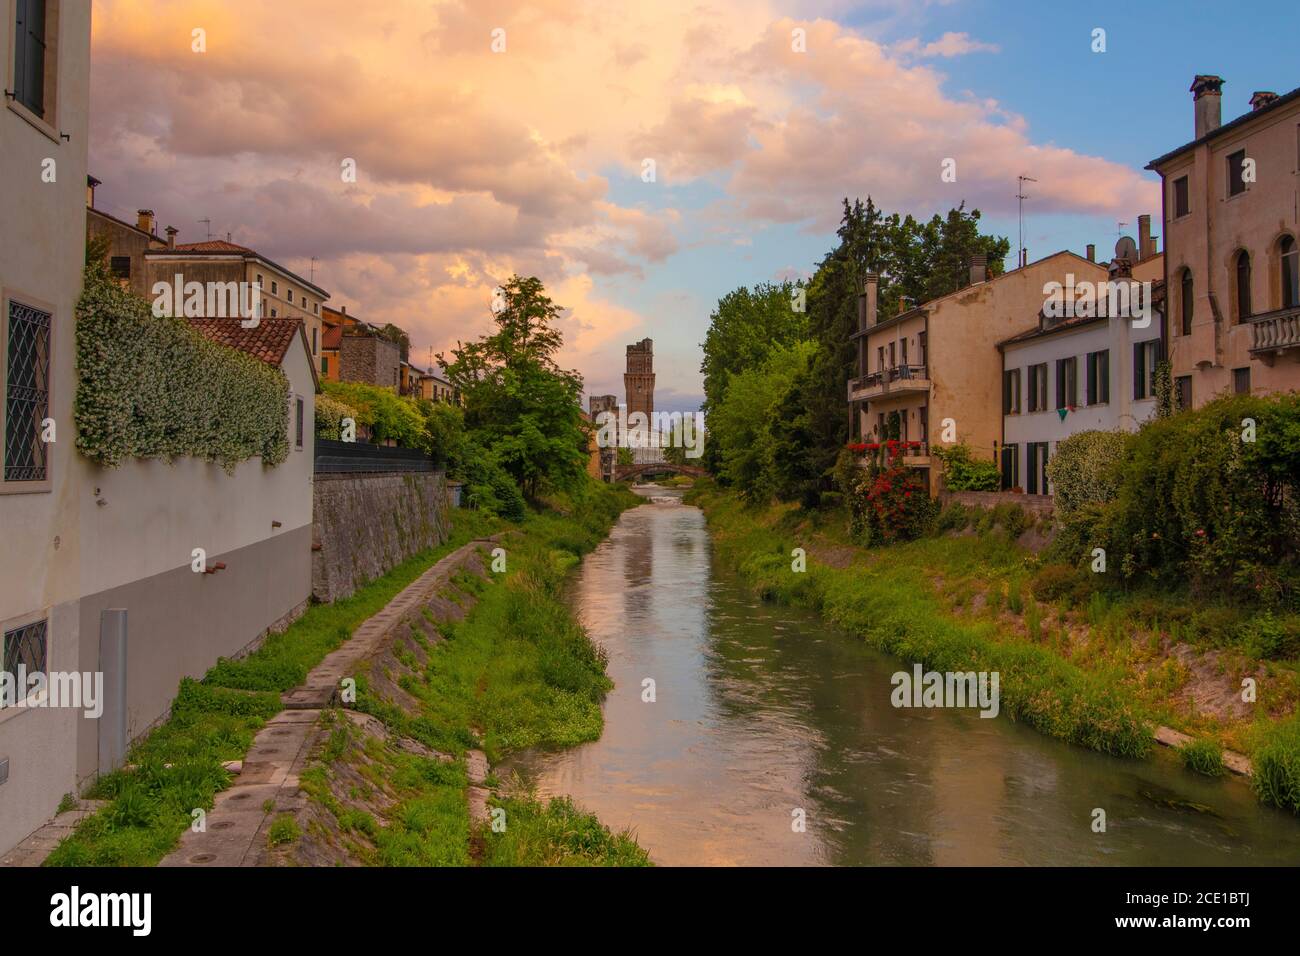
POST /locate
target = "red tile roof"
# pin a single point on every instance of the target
(332, 337)
(269, 340)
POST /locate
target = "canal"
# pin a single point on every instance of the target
(764, 716)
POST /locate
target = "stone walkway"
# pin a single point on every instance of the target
(266, 782)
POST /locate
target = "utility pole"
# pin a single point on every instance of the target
(1021, 197)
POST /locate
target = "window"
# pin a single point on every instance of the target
(925, 420)
(26, 647)
(275, 287)
(324, 365)
(315, 308)
(893, 354)
(920, 341)
(1186, 301)
(1241, 381)
(1146, 355)
(291, 297)
(1183, 391)
(1038, 388)
(1236, 165)
(903, 349)
(1290, 272)
(1036, 468)
(1010, 467)
(1181, 204)
(314, 336)
(27, 392)
(259, 280)
(880, 359)
(297, 423)
(1067, 382)
(1011, 392)
(120, 266)
(1099, 377)
(275, 313)
(29, 55)
(1243, 285)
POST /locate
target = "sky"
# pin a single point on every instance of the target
(474, 163)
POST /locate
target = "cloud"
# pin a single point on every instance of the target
(950, 44)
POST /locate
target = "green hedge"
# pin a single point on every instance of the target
(150, 387)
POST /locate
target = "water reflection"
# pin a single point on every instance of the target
(762, 711)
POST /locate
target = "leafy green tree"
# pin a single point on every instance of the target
(518, 401)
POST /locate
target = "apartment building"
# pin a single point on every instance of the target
(44, 125)
(1093, 367)
(933, 373)
(1232, 247)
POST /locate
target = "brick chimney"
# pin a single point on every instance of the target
(1144, 237)
(979, 269)
(145, 220)
(171, 237)
(1261, 99)
(1092, 252)
(1207, 91)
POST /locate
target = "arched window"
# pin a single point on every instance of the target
(1290, 272)
(1243, 285)
(1186, 303)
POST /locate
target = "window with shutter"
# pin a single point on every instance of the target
(29, 55)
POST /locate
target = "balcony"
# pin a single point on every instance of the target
(1272, 333)
(916, 454)
(898, 380)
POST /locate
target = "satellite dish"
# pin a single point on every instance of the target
(1126, 248)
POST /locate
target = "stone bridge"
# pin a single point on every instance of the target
(632, 472)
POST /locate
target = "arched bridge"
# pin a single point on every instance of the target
(631, 472)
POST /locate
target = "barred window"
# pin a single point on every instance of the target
(26, 647)
(27, 392)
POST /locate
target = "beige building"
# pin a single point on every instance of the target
(934, 372)
(44, 508)
(1233, 247)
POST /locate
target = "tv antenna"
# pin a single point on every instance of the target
(207, 224)
(313, 269)
(1119, 228)
(1021, 197)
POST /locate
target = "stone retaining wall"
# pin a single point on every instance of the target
(1034, 504)
(364, 525)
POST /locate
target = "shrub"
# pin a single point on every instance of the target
(330, 413)
(389, 416)
(961, 472)
(890, 503)
(154, 387)
(1086, 469)
(954, 517)
(1054, 582)
(1203, 756)
(1277, 766)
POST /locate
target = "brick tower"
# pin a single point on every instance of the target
(639, 387)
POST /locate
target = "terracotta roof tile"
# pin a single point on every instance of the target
(213, 245)
(269, 340)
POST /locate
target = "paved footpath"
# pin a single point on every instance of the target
(266, 782)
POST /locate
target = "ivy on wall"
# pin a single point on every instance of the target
(150, 387)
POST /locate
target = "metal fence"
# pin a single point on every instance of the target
(342, 457)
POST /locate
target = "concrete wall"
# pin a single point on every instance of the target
(42, 251)
(1034, 504)
(364, 525)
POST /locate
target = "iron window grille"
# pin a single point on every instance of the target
(27, 393)
(27, 647)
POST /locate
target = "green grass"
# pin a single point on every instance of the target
(1277, 765)
(284, 829)
(1203, 757)
(556, 833)
(213, 721)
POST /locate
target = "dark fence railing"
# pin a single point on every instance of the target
(341, 457)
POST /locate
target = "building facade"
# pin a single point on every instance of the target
(639, 389)
(45, 507)
(1232, 245)
(933, 374)
(1072, 374)
(604, 408)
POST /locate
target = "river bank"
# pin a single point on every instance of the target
(500, 665)
(1103, 675)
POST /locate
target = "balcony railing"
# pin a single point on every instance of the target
(1275, 331)
(900, 377)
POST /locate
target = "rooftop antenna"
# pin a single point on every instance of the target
(313, 269)
(207, 223)
(1021, 197)
(1119, 228)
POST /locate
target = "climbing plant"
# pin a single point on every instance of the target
(153, 387)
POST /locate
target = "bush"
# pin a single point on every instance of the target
(389, 416)
(1204, 757)
(330, 413)
(1087, 468)
(1055, 582)
(890, 503)
(955, 516)
(154, 387)
(961, 472)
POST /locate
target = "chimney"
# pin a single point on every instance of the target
(91, 183)
(1261, 99)
(145, 220)
(979, 269)
(870, 292)
(171, 237)
(1207, 92)
(1092, 252)
(1144, 237)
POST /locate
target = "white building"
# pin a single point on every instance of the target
(1073, 374)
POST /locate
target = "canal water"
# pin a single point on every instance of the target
(764, 715)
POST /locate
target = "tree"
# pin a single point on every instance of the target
(399, 337)
(518, 402)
